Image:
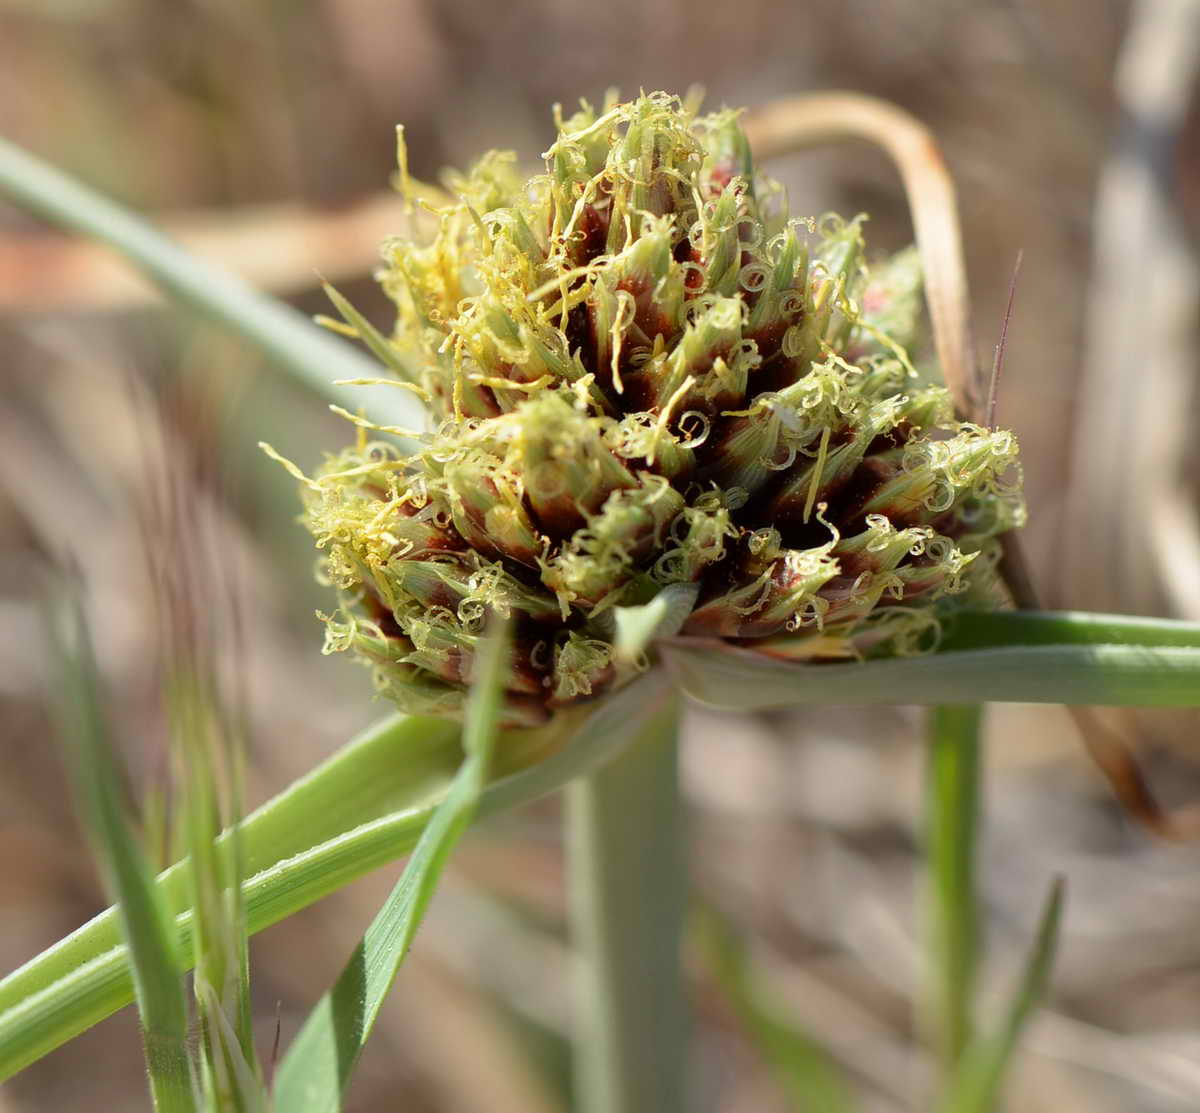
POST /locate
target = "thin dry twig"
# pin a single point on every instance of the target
(807, 121)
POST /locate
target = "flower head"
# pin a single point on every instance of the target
(643, 373)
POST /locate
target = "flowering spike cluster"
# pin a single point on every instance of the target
(643, 373)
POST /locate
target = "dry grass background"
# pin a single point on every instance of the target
(261, 131)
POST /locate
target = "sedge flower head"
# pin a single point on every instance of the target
(642, 373)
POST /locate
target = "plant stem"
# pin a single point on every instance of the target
(952, 920)
(627, 892)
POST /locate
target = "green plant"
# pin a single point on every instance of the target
(405, 785)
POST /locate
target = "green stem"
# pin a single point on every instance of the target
(628, 890)
(283, 335)
(951, 824)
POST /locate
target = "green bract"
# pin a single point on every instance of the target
(643, 373)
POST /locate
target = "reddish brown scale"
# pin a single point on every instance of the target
(637, 393)
(384, 619)
(720, 622)
(934, 577)
(457, 667)
(769, 339)
(589, 357)
(839, 594)
(786, 511)
(881, 464)
(580, 334)
(477, 401)
(648, 319)
(693, 279)
(590, 236)
(438, 539)
(659, 199)
(558, 518)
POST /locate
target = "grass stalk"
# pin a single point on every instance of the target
(952, 805)
(985, 1063)
(145, 922)
(627, 889)
(286, 337)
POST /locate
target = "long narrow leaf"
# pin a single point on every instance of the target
(1139, 675)
(364, 808)
(145, 921)
(399, 765)
(979, 630)
(230, 1072)
(317, 1066)
(952, 903)
(286, 337)
(982, 1070)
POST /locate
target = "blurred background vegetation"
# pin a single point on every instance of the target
(260, 133)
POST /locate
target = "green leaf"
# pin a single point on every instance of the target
(364, 807)
(1067, 658)
(284, 336)
(802, 1067)
(952, 903)
(976, 1085)
(317, 1066)
(145, 921)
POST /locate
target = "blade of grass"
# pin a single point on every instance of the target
(397, 766)
(627, 890)
(145, 921)
(980, 630)
(230, 1071)
(952, 916)
(284, 336)
(316, 1068)
(363, 808)
(982, 1069)
(804, 1070)
(1141, 675)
